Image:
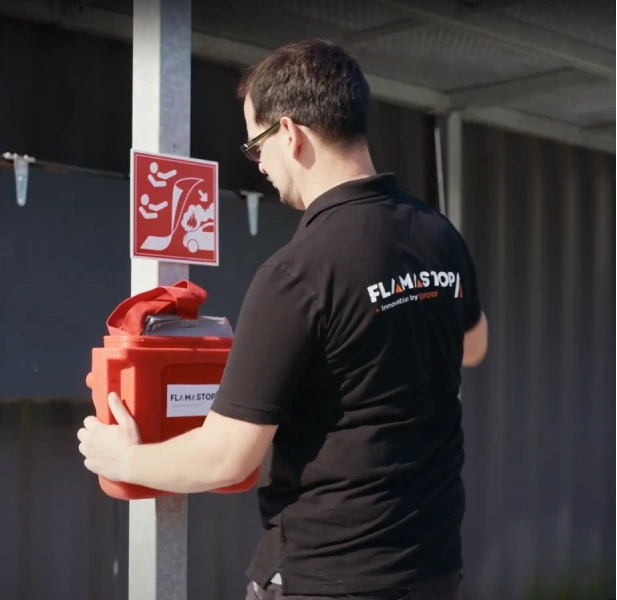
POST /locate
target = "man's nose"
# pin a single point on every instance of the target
(262, 170)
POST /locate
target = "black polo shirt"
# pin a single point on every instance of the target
(350, 338)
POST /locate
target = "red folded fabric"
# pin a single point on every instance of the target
(182, 298)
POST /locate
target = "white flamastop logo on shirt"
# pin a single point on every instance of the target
(411, 281)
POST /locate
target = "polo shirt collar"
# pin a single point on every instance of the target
(357, 189)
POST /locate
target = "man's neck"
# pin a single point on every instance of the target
(333, 170)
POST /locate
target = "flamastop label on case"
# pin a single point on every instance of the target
(188, 400)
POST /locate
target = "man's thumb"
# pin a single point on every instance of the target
(119, 411)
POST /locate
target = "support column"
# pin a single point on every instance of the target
(454, 169)
(161, 123)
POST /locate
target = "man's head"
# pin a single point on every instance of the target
(306, 108)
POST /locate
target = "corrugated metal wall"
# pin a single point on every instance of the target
(539, 414)
(60, 537)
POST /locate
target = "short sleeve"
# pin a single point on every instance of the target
(274, 341)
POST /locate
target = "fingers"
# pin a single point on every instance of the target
(82, 436)
(90, 466)
(92, 423)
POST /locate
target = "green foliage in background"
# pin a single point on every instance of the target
(594, 586)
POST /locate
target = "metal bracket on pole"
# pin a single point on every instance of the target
(252, 207)
(20, 166)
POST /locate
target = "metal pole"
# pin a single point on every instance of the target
(161, 123)
(454, 169)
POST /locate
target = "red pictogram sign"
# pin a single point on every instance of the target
(174, 209)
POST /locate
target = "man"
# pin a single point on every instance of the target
(347, 359)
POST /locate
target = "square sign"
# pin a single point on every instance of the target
(174, 209)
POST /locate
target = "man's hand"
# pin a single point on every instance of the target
(107, 448)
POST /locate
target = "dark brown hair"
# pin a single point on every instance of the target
(316, 84)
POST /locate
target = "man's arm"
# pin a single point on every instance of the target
(475, 324)
(223, 452)
(476, 343)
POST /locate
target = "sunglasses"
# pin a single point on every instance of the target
(252, 149)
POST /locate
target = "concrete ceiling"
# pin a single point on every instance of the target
(544, 67)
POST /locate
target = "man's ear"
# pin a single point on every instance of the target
(292, 135)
